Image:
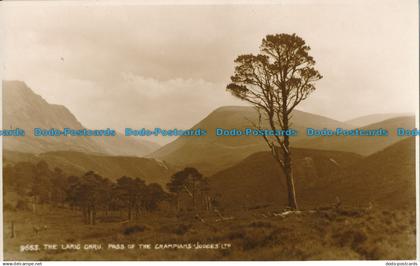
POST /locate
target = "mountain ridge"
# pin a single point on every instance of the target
(23, 108)
(365, 120)
(112, 167)
(211, 154)
(385, 178)
(364, 145)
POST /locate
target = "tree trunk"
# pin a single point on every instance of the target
(85, 211)
(209, 203)
(137, 212)
(12, 233)
(94, 216)
(287, 155)
(90, 216)
(287, 168)
(129, 212)
(193, 194)
(34, 202)
(291, 194)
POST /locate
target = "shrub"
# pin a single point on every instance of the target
(351, 237)
(259, 224)
(8, 207)
(110, 219)
(22, 205)
(134, 229)
(256, 238)
(181, 229)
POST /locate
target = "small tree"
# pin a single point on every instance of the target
(154, 194)
(58, 181)
(188, 181)
(130, 191)
(89, 193)
(73, 191)
(275, 81)
(41, 184)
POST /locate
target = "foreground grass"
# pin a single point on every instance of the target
(327, 234)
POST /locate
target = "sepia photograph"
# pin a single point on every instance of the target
(210, 130)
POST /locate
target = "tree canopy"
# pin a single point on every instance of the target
(275, 81)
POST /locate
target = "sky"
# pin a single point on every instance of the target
(162, 65)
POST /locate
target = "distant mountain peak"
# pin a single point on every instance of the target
(212, 153)
(25, 109)
(374, 118)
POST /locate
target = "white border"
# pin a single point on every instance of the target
(1, 138)
(176, 2)
(417, 138)
(199, 2)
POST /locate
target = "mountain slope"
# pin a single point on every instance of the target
(22, 108)
(211, 153)
(363, 145)
(126, 146)
(112, 167)
(386, 178)
(259, 180)
(365, 120)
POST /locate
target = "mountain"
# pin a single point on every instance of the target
(363, 145)
(24, 109)
(126, 146)
(112, 167)
(212, 153)
(386, 178)
(365, 120)
(258, 180)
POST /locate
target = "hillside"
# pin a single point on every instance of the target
(363, 145)
(211, 153)
(22, 108)
(365, 120)
(112, 167)
(386, 178)
(258, 180)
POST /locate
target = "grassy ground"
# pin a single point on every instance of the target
(327, 234)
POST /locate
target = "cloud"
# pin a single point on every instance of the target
(133, 65)
(138, 102)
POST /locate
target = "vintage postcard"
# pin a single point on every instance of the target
(210, 130)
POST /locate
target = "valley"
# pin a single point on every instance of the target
(356, 194)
